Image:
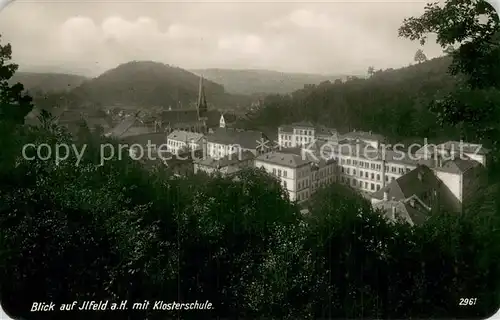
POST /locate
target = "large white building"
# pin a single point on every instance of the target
(226, 165)
(179, 140)
(304, 133)
(366, 164)
(299, 174)
(224, 141)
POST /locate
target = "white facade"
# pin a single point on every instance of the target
(301, 134)
(183, 140)
(367, 175)
(302, 181)
(219, 150)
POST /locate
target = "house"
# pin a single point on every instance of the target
(303, 133)
(373, 139)
(299, 173)
(184, 140)
(183, 163)
(228, 164)
(462, 178)
(185, 119)
(224, 141)
(404, 210)
(454, 149)
(145, 147)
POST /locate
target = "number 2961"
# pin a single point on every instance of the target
(467, 301)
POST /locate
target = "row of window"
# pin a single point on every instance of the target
(280, 172)
(375, 166)
(365, 174)
(305, 132)
(303, 195)
(360, 184)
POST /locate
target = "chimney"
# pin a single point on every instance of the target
(386, 195)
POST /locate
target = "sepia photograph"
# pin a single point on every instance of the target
(249, 159)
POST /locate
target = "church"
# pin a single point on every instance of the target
(199, 119)
(193, 120)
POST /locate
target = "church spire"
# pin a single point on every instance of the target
(202, 100)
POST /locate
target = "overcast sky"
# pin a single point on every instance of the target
(89, 37)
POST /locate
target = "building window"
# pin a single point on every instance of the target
(349, 161)
(279, 172)
(284, 173)
(378, 177)
(361, 173)
(274, 171)
(354, 171)
(393, 169)
(372, 166)
(386, 178)
(372, 186)
(348, 171)
(284, 184)
(366, 185)
(366, 174)
(378, 187)
(373, 176)
(367, 165)
(355, 162)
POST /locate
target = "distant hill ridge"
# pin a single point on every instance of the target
(47, 82)
(252, 81)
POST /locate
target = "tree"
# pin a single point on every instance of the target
(449, 50)
(371, 71)
(14, 104)
(420, 56)
(475, 27)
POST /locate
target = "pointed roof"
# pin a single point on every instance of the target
(202, 100)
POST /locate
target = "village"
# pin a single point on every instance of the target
(405, 186)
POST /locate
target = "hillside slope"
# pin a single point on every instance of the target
(261, 81)
(47, 82)
(147, 83)
(391, 102)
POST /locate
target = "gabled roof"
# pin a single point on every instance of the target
(124, 126)
(465, 147)
(179, 116)
(225, 161)
(285, 159)
(228, 136)
(401, 209)
(181, 135)
(363, 135)
(458, 166)
(156, 138)
(415, 182)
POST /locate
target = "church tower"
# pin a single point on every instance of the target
(201, 106)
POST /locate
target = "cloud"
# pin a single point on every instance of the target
(302, 37)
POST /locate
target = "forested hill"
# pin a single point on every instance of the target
(47, 82)
(142, 84)
(262, 81)
(391, 102)
(145, 83)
